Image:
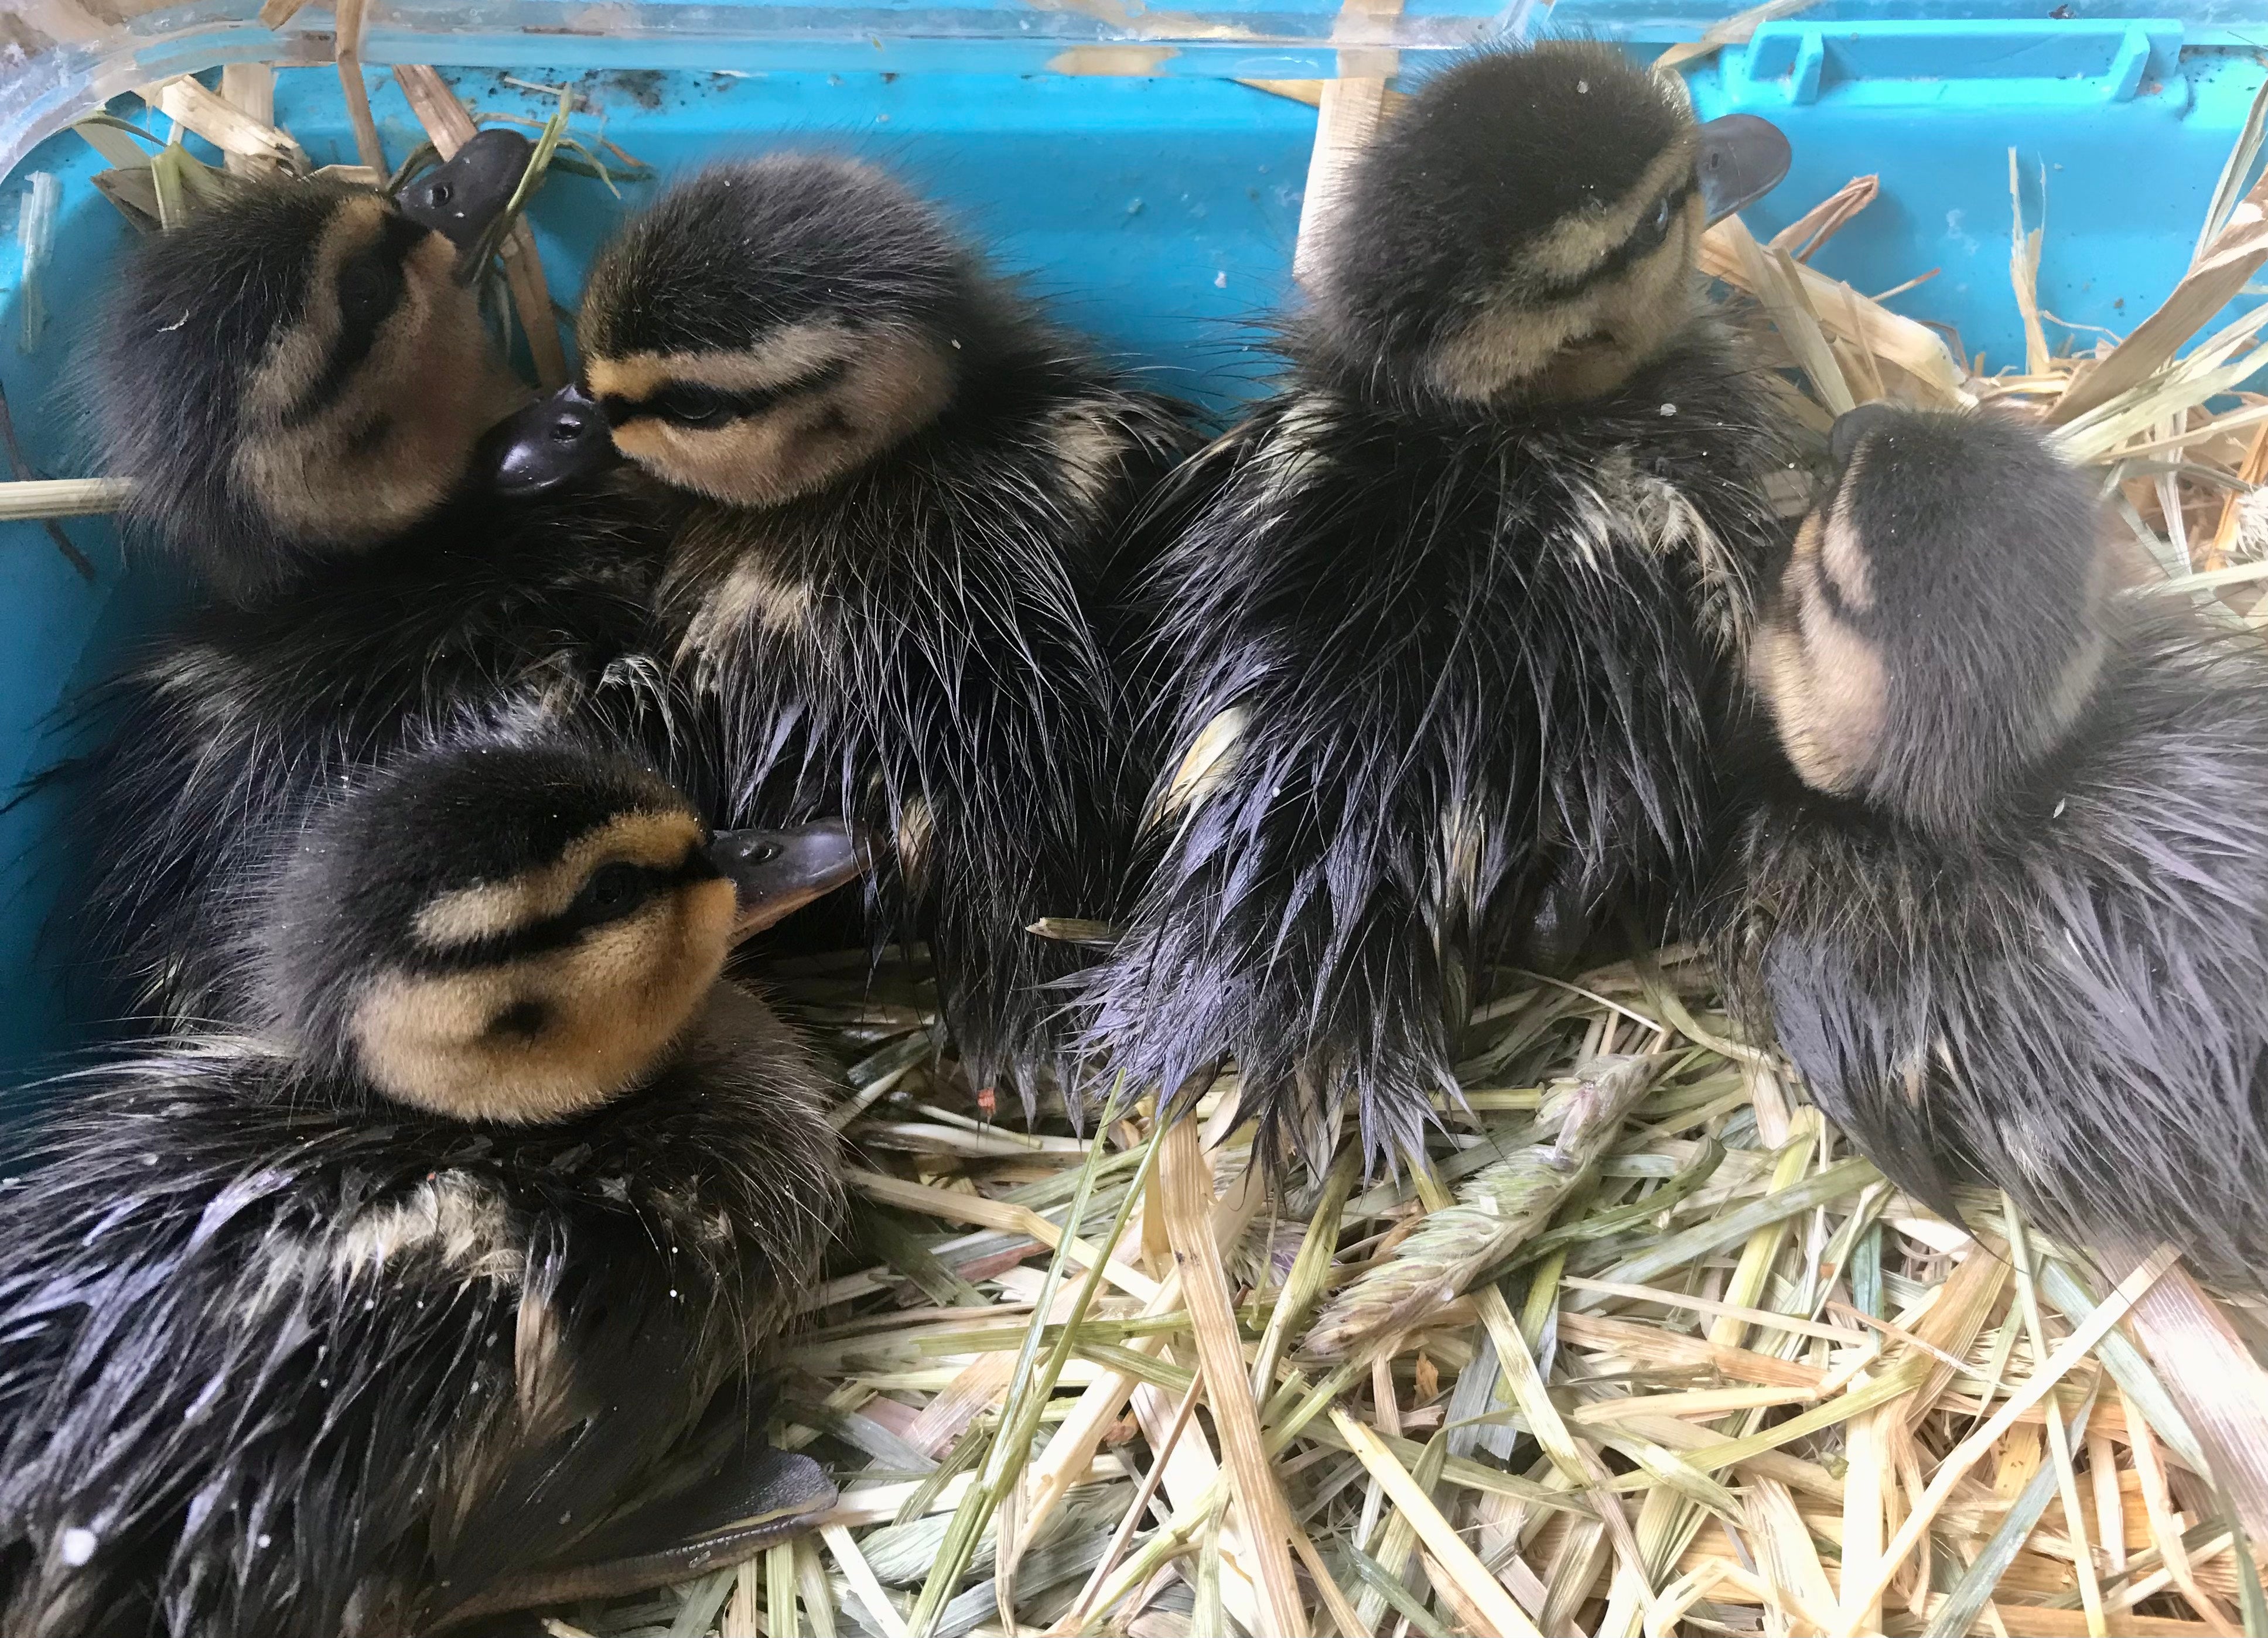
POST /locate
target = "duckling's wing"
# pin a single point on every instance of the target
(651, 1449)
(1835, 1028)
(758, 1496)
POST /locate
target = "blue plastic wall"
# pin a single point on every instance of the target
(1160, 215)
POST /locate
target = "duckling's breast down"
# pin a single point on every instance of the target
(1426, 688)
(275, 1361)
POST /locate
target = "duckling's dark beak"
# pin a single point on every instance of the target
(776, 871)
(1851, 428)
(551, 443)
(1741, 159)
(461, 200)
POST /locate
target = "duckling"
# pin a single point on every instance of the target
(298, 384)
(301, 373)
(437, 1291)
(2006, 900)
(1438, 637)
(896, 488)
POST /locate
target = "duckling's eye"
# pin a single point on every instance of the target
(367, 288)
(614, 891)
(1655, 226)
(691, 406)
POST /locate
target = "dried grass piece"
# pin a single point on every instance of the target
(236, 132)
(994, 1214)
(2024, 269)
(1185, 1188)
(818, 1594)
(35, 232)
(1458, 1562)
(2058, 1441)
(844, 1551)
(1803, 237)
(2166, 1535)
(1784, 1552)
(2214, 278)
(1303, 1286)
(1928, 373)
(1974, 1448)
(33, 498)
(346, 21)
(2210, 1373)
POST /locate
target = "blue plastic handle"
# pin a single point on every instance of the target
(2028, 63)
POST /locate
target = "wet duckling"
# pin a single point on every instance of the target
(2006, 903)
(298, 384)
(1441, 636)
(898, 487)
(437, 1293)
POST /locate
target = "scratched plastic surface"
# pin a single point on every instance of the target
(1155, 208)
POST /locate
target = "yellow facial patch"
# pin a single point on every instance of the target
(1581, 240)
(544, 1037)
(1824, 680)
(397, 435)
(795, 350)
(1838, 548)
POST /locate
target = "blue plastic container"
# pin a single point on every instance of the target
(1107, 152)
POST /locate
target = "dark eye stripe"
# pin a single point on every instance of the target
(728, 406)
(558, 931)
(1830, 593)
(358, 332)
(1642, 242)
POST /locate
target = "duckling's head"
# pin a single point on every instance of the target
(768, 326)
(515, 933)
(300, 372)
(1527, 224)
(1938, 627)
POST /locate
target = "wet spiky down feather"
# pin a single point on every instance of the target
(2036, 961)
(941, 669)
(1475, 652)
(279, 1355)
(313, 664)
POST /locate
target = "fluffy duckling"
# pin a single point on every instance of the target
(898, 486)
(2006, 904)
(298, 384)
(437, 1293)
(1439, 634)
